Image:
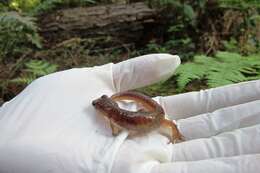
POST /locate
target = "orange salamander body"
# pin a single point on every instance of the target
(141, 121)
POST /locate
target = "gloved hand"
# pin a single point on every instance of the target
(51, 126)
(222, 131)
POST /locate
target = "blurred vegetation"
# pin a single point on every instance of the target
(217, 40)
(17, 34)
(34, 69)
(225, 68)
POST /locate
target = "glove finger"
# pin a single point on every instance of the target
(241, 164)
(195, 103)
(238, 142)
(143, 70)
(221, 120)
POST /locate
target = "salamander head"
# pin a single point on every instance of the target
(105, 105)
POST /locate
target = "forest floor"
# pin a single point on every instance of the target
(195, 31)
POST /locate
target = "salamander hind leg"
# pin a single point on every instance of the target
(168, 128)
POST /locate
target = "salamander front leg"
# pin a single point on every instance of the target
(115, 130)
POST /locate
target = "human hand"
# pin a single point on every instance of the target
(51, 125)
(222, 131)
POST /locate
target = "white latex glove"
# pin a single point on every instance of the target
(51, 126)
(222, 131)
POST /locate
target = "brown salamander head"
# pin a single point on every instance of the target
(105, 105)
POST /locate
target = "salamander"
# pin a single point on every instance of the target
(150, 118)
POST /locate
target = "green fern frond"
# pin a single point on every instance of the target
(227, 56)
(254, 60)
(40, 68)
(46, 6)
(239, 4)
(225, 68)
(12, 18)
(17, 33)
(203, 59)
(33, 70)
(223, 76)
(189, 72)
(24, 79)
(254, 77)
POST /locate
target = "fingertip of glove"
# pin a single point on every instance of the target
(173, 60)
(167, 64)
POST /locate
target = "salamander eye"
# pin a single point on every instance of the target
(94, 102)
(104, 96)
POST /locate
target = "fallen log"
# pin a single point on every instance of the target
(128, 24)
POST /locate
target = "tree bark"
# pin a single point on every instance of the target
(120, 23)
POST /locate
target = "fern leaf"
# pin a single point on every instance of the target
(202, 59)
(227, 56)
(225, 68)
(34, 69)
(12, 18)
(17, 33)
(40, 68)
(46, 6)
(254, 77)
(189, 72)
(24, 79)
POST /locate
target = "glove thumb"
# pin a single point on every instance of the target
(144, 70)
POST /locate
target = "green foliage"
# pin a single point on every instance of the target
(173, 46)
(191, 27)
(23, 5)
(183, 26)
(48, 5)
(249, 46)
(199, 26)
(246, 16)
(225, 68)
(34, 7)
(17, 34)
(239, 4)
(245, 39)
(33, 70)
(154, 47)
(184, 12)
(3, 7)
(231, 45)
